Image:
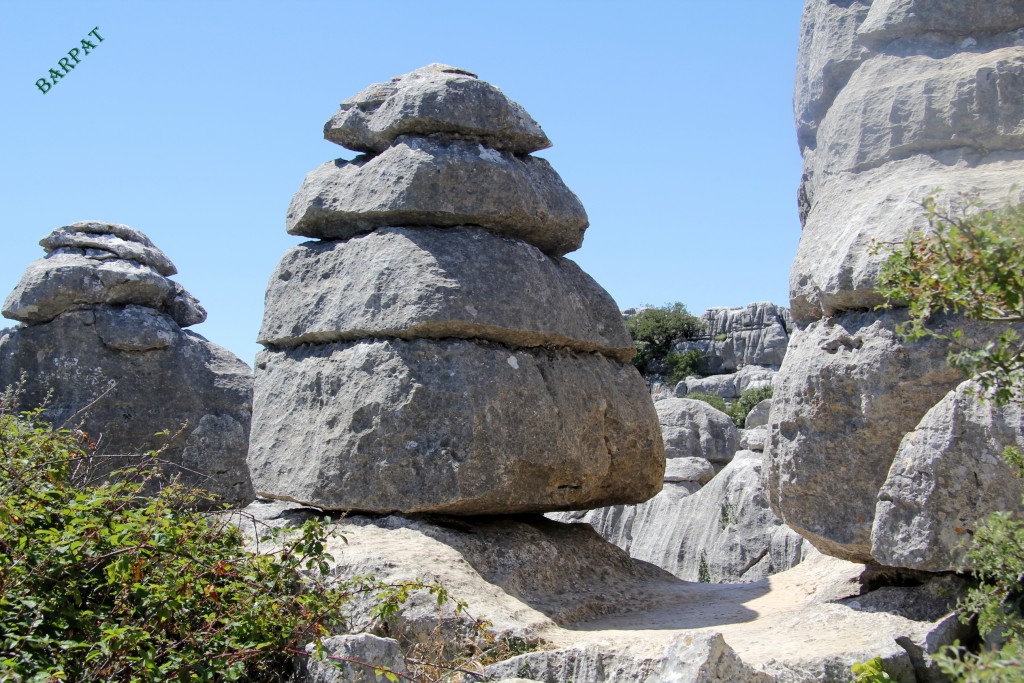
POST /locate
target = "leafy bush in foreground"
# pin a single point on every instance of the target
(101, 583)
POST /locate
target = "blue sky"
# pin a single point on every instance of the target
(195, 122)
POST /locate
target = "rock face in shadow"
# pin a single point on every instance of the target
(434, 352)
(102, 336)
(894, 100)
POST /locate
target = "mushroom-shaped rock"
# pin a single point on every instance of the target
(434, 99)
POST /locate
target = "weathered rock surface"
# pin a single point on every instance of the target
(66, 281)
(695, 429)
(119, 240)
(460, 365)
(889, 20)
(731, 385)
(537, 579)
(122, 375)
(756, 334)
(440, 183)
(835, 268)
(687, 469)
(754, 439)
(431, 283)
(722, 533)
(894, 101)
(847, 393)
(947, 476)
(758, 415)
(697, 657)
(830, 51)
(451, 426)
(434, 100)
(102, 347)
(368, 652)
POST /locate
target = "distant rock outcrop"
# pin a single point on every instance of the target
(456, 363)
(102, 337)
(894, 99)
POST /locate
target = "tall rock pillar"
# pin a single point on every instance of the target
(433, 351)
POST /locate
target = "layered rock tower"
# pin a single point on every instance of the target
(874, 453)
(102, 345)
(433, 351)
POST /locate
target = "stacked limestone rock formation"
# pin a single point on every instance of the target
(433, 351)
(102, 335)
(872, 449)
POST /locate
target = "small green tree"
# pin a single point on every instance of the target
(971, 262)
(655, 330)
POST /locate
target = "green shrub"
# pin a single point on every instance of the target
(738, 409)
(742, 406)
(682, 365)
(655, 330)
(870, 671)
(101, 583)
(714, 401)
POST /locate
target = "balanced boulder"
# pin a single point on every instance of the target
(102, 348)
(435, 353)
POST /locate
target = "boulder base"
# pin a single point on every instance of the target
(122, 375)
(460, 427)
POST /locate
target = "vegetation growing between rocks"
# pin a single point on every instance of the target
(101, 583)
(971, 262)
(738, 409)
(655, 330)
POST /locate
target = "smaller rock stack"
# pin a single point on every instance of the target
(102, 334)
(433, 352)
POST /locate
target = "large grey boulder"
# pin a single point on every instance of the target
(695, 429)
(429, 283)
(948, 475)
(440, 183)
(435, 353)
(436, 99)
(123, 374)
(451, 426)
(359, 655)
(849, 390)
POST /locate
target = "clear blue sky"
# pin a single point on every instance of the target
(195, 122)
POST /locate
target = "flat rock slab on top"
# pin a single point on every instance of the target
(433, 283)
(434, 99)
(451, 426)
(65, 281)
(425, 182)
(119, 240)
